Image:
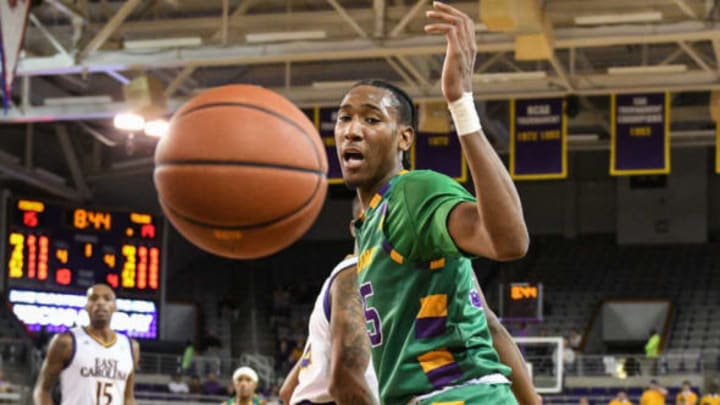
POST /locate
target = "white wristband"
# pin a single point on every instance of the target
(464, 115)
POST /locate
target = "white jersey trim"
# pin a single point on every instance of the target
(487, 379)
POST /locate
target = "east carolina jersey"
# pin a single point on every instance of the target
(96, 375)
(314, 377)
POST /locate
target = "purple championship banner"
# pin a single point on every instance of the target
(640, 128)
(538, 139)
(441, 153)
(325, 122)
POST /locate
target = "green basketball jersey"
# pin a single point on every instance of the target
(425, 319)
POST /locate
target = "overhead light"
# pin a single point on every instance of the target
(647, 16)
(342, 84)
(129, 122)
(260, 37)
(642, 70)
(78, 100)
(509, 76)
(181, 42)
(156, 128)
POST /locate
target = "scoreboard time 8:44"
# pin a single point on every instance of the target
(54, 248)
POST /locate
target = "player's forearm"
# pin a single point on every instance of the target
(510, 355)
(42, 397)
(351, 356)
(499, 206)
(348, 387)
(350, 344)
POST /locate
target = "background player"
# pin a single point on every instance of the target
(95, 364)
(245, 381)
(429, 332)
(335, 366)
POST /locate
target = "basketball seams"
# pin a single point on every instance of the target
(273, 221)
(189, 162)
(265, 110)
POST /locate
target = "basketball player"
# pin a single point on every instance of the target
(335, 366)
(245, 381)
(428, 328)
(95, 365)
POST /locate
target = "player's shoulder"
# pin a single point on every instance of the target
(423, 176)
(62, 345)
(425, 183)
(424, 180)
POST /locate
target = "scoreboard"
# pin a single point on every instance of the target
(521, 301)
(53, 253)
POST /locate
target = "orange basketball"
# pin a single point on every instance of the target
(242, 172)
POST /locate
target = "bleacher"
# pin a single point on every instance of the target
(579, 274)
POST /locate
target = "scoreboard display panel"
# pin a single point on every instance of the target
(521, 301)
(53, 253)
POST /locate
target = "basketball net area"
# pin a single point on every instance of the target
(544, 360)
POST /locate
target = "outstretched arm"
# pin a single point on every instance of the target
(494, 227)
(59, 353)
(350, 344)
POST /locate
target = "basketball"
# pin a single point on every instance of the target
(241, 172)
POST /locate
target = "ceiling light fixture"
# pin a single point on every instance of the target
(647, 16)
(643, 70)
(261, 37)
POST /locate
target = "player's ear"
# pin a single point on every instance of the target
(407, 137)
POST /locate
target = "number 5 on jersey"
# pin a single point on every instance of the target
(371, 316)
(103, 393)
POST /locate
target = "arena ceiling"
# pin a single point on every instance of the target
(79, 53)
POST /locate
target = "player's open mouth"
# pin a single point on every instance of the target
(353, 159)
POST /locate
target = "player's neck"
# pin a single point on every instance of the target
(367, 193)
(243, 400)
(102, 333)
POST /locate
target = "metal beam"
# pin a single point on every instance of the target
(177, 82)
(560, 70)
(109, 28)
(670, 58)
(239, 10)
(410, 67)
(48, 35)
(9, 166)
(97, 135)
(682, 5)
(489, 62)
(72, 160)
(692, 53)
(348, 18)
(379, 6)
(351, 50)
(401, 72)
(224, 22)
(716, 50)
(692, 81)
(68, 9)
(406, 19)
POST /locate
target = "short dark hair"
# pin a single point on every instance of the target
(406, 108)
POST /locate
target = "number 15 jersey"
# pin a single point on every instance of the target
(97, 373)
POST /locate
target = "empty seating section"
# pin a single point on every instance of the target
(579, 274)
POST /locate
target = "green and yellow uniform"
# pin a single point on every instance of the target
(425, 319)
(256, 400)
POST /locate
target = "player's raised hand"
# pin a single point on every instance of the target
(459, 30)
